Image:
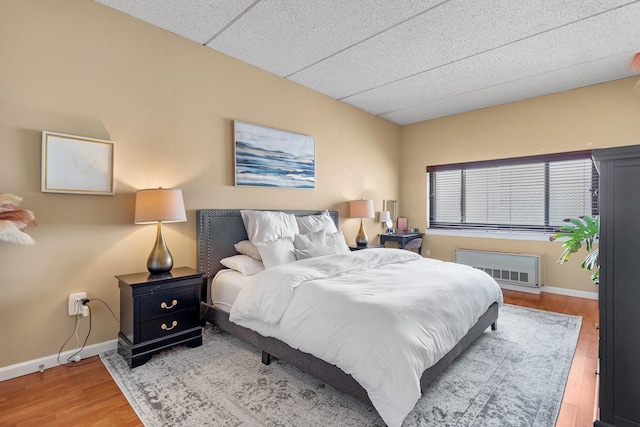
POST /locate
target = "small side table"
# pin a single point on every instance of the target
(158, 312)
(402, 237)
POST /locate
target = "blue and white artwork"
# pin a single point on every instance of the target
(267, 157)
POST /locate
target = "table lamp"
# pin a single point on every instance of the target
(361, 209)
(159, 205)
(385, 218)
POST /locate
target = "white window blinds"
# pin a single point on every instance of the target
(527, 193)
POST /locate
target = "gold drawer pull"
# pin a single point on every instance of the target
(169, 307)
(173, 325)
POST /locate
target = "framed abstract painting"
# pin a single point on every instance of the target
(266, 157)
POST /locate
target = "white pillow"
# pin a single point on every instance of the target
(310, 223)
(276, 252)
(316, 239)
(267, 226)
(314, 252)
(243, 263)
(337, 239)
(245, 247)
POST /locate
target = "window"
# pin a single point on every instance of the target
(528, 193)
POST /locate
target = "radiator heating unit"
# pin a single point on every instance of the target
(515, 271)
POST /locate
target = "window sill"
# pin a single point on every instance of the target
(490, 234)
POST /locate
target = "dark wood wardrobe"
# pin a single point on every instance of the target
(619, 289)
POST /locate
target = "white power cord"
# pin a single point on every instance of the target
(75, 357)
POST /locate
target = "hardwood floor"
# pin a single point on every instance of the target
(81, 394)
(85, 394)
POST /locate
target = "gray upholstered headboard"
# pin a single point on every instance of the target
(219, 229)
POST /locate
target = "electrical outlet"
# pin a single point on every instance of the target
(75, 304)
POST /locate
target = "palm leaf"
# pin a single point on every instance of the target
(574, 234)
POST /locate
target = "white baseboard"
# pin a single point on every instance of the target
(570, 292)
(551, 290)
(30, 366)
(527, 289)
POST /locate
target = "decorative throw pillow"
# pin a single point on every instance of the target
(310, 223)
(243, 263)
(276, 252)
(337, 239)
(316, 239)
(267, 226)
(245, 247)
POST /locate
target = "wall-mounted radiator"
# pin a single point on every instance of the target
(511, 270)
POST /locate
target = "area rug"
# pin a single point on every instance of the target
(514, 376)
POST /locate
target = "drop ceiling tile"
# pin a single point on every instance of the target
(569, 46)
(285, 36)
(599, 71)
(448, 33)
(196, 20)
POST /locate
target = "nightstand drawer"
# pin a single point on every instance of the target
(168, 325)
(167, 303)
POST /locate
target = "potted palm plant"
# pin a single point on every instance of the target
(574, 234)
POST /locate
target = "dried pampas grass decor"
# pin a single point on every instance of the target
(635, 66)
(635, 63)
(13, 220)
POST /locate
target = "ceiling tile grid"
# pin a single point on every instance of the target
(450, 33)
(196, 20)
(572, 45)
(414, 60)
(287, 36)
(602, 70)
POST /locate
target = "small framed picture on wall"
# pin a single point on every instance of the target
(77, 165)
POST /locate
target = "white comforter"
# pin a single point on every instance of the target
(381, 315)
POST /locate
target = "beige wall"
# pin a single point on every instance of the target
(603, 115)
(77, 67)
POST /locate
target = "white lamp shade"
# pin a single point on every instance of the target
(159, 204)
(384, 216)
(361, 209)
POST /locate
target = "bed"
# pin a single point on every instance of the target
(219, 229)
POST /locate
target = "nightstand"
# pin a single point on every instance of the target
(158, 312)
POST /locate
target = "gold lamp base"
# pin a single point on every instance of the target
(160, 260)
(361, 237)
